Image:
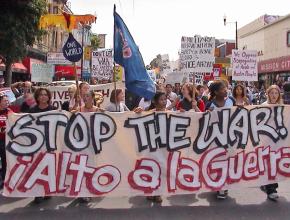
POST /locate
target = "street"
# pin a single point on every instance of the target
(250, 203)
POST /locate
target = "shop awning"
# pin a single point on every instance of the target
(19, 68)
(16, 67)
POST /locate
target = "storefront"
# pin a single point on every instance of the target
(65, 72)
(274, 71)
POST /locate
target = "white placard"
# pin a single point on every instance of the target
(42, 72)
(102, 64)
(197, 54)
(245, 66)
(57, 58)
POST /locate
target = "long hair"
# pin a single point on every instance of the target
(37, 94)
(155, 99)
(270, 89)
(191, 89)
(114, 95)
(235, 91)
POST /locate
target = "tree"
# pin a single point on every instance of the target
(95, 42)
(156, 62)
(18, 30)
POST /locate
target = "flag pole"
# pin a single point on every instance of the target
(77, 84)
(114, 67)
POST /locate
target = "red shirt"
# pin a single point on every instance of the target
(3, 118)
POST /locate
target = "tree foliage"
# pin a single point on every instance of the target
(95, 42)
(19, 29)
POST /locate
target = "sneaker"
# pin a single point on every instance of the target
(38, 200)
(263, 189)
(223, 194)
(85, 199)
(157, 199)
(273, 196)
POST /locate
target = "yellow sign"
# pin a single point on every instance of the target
(119, 71)
(87, 53)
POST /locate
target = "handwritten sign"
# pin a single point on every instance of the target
(57, 153)
(197, 54)
(102, 64)
(245, 66)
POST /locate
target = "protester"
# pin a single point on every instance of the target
(4, 111)
(21, 90)
(273, 97)
(240, 96)
(84, 87)
(219, 98)
(190, 100)
(99, 99)
(70, 103)
(117, 104)
(177, 89)
(89, 103)
(117, 99)
(28, 103)
(170, 94)
(158, 104)
(42, 97)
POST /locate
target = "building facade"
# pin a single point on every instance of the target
(270, 36)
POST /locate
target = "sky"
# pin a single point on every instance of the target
(158, 25)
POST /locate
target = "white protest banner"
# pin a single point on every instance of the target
(153, 153)
(176, 77)
(57, 59)
(60, 93)
(42, 72)
(102, 64)
(197, 54)
(166, 68)
(245, 66)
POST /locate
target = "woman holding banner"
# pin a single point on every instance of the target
(42, 97)
(158, 105)
(89, 103)
(190, 100)
(273, 98)
(219, 98)
(239, 94)
(4, 111)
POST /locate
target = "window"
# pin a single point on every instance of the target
(288, 38)
(55, 9)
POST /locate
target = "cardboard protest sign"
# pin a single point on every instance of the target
(102, 64)
(60, 93)
(154, 153)
(176, 77)
(166, 68)
(42, 72)
(197, 54)
(245, 67)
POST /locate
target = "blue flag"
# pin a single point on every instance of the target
(126, 54)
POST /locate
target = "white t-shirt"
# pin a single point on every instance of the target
(146, 104)
(172, 96)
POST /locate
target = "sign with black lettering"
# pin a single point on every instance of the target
(197, 56)
(72, 50)
(102, 64)
(245, 67)
(153, 153)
